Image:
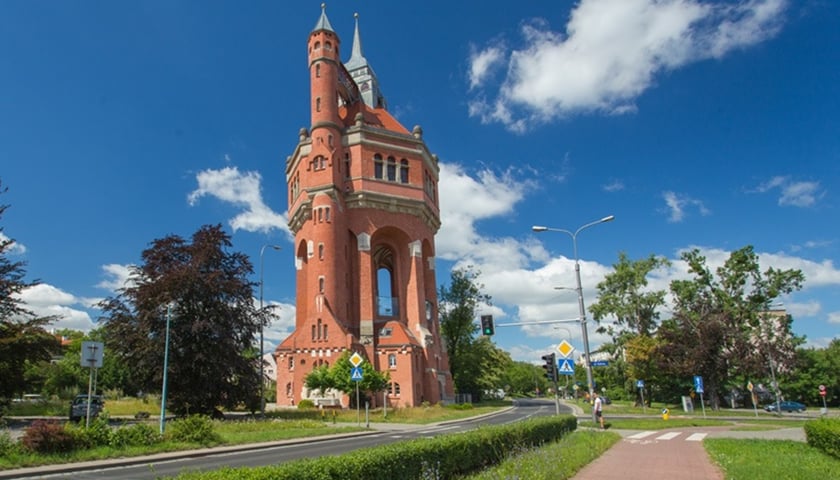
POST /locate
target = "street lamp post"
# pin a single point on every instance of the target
(165, 370)
(262, 340)
(582, 310)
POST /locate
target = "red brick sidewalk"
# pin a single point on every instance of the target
(674, 454)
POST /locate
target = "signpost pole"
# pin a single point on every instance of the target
(358, 412)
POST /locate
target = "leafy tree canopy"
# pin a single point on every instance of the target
(202, 291)
(23, 335)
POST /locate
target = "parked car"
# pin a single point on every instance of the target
(786, 407)
(79, 407)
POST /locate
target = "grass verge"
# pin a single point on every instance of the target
(555, 461)
(776, 459)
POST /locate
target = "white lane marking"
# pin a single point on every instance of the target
(669, 436)
(696, 437)
(641, 435)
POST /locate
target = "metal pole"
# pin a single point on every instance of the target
(581, 308)
(165, 369)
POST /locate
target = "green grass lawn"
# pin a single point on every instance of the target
(771, 459)
(556, 461)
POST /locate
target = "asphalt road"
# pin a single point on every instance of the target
(166, 465)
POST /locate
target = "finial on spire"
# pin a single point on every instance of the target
(323, 6)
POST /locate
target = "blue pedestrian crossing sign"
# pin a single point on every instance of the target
(565, 366)
(698, 384)
(356, 374)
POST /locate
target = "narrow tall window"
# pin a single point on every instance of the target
(325, 331)
(318, 70)
(392, 361)
(403, 171)
(392, 169)
(318, 104)
(378, 166)
(321, 282)
(320, 251)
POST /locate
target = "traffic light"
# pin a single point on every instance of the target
(487, 327)
(550, 367)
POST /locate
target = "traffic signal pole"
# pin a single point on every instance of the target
(551, 374)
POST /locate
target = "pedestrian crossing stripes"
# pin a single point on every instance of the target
(650, 436)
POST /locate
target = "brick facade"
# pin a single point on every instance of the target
(363, 206)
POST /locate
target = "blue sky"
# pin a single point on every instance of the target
(697, 124)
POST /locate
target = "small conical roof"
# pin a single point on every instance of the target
(323, 22)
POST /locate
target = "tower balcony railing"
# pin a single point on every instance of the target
(388, 306)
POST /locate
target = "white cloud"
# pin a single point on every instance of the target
(466, 200)
(793, 193)
(13, 248)
(242, 190)
(46, 300)
(678, 203)
(614, 186)
(834, 317)
(118, 276)
(481, 63)
(610, 53)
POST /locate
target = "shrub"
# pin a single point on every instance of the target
(137, 434)
(448, 456)
(7, 445)
(824, 434)
(44, 436)
(461, 406)
(193, 429)
(97, 434)
(306, 403)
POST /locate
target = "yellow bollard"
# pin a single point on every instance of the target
(665, 414)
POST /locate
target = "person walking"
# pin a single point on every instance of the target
(598, 409)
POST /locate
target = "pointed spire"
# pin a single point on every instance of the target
(357, 56)
(323, 22)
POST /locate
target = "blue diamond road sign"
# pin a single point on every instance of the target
(565, 366)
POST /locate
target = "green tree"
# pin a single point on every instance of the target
(204, 290)
(623, 296)
(23, 336)
(459, 305)
(524, 379)
(337, 376)
(719, 326)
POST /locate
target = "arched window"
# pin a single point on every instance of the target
(325, 334)
(320, 251)
(313, 333)
(327, 46)
(317, 45)
(318, 70)
(319, 329)
(321, 284)
(396, 389)
(289, 389)
(392, 360)
(318, 104)
(291, 363)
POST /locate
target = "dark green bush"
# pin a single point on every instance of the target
(7, 445)
(137, 434)
(824, 434)
(448, 456)
(193, 429)
(45, 436)
(461, 406)
(97, 434)
(305, 404)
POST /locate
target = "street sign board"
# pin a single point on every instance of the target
(750, 386)
(640, 384)
(356, 374)
(92, 353)
(565, 348)
(600, 363)
(822, 390)
(356, 359)
(698, 384)
(565, 366)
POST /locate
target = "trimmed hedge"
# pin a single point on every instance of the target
(824, 434)
(445, 456)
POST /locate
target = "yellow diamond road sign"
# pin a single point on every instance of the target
(565, 348)
(356, 359)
